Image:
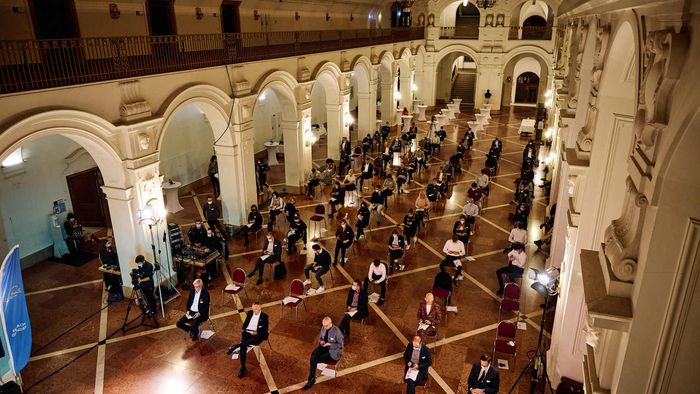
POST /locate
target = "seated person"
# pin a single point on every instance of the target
(363, 217)
(410, 227)
(271, 253)
(475, 193)
(254, 223)
(443, 281)
(366, 144)
(343, 163)
(74, 233)
(428, 315)
(396, 244)
(388, 189)
(462, 230)
(254, 332)
(483, 378)
(290, 209)
(344, 236)
(197, 310)
(376, 140)
(454, 251)
(470, 211)
(276, 207)
(433, 191)
(337, 198)
(197, 234)
(297, 231)
(378, 165)
(330, 347)
(515, 267)
(109, 260)
(377, 201)
(321, 265)
(417, 358)
(482, 181)
(521, 214)
(313, 182)
(213, 243)
(328, 175)
(492, 164)
(518, 235)
(422, 205)
(442, 134)
(355, 307)
(367, 170)
(401, 177)
(377, 275)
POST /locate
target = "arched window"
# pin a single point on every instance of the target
(534, 28)
(526, 88)
(467, 21)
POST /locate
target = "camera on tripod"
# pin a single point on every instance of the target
(134, 274)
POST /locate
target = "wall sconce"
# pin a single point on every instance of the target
(348, 119)
(297, 16)
(352, 18)
(198, 13)
(256, 16)
(414, 87)
(548, 102)
(114, 12)
(309, 138)
(397, 95)
(328, 17)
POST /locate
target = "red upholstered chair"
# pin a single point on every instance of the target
(318, 216)
(238, 277)
(296, 290)
(423, 384)
(505, 340)
(511, 300)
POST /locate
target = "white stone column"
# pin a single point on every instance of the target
(344, 116)
(335, 131)
(388, 103)
(406, 96)
(427, 91)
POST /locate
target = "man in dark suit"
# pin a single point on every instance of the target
(416, 357)
(212, 213)
(197, 310)
(271, 253)
(483, 378)
(254, 331)
(355, 306)
(145, 284)
(344, 236)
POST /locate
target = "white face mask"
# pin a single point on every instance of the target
(210, 235)
(198, 225)
(270, 239)
(342, 225)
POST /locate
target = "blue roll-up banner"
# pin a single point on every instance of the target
(14, 314)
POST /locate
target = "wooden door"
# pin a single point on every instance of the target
(88, 201)
(54, 19)
(161, 17)
(230, 17)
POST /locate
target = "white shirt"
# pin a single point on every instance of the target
(482, 373)
(381, 270)
(518, 258)
(454, 248)
(395, 240)
(518, 235)
(195, 301)
(482, 180)
(253, 324)
(428, 307)
(470, 209)
(271, 246)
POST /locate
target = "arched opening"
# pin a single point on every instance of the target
(456, 78)
(326, 116)
(387, 91)
(361, 102)
(531, 21)
(534, 28)
(467, 21)
(404, 81)
(526, 87)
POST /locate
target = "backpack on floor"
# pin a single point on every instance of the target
(280, 271)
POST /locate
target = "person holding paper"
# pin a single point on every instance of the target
(254, 331)
(515, 267)
(344, 236)
(276, 207)
(271, 253)
(418, 360)
(483, 378)
(297, 231)
(321, 265)
(462, 229)
(330, 347)
(377, 275)
(377, 200)
(254, 223)
(197, 310)
(355, 306)
(396, 244)
(454, 251)
(428, 316)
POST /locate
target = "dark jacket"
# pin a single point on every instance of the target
(456, 229)
(424, 361)
(364, 212)
(203, 303)
(263, 323)
(298, 227)
(276, 249)
(146, 272)
(490, 383)
(196, 235)
(349, 233)
(256, 218)
(402, 241)
(211, 211)
(323, 259)
(362, 310)
(377, 198)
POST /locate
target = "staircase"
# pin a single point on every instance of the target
(463, 87)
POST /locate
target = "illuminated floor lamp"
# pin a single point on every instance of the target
(150, 216)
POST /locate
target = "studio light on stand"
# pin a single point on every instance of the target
(545, 283)
(151, 216)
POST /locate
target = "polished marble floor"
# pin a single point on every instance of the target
(95, 356)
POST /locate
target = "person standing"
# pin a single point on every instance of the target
(212, 213)
(144, 270)
(262, 169)
(330, 347)
(253, 333)
(454, 251)
(213, 172)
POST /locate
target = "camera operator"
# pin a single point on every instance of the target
(145, 283)
(109, 260)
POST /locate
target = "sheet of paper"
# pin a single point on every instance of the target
(249, 225)
(321, 366)
(234, 356)
(502, 364)
(452, 309)
(470, 258)
(522, 325)
(289, 300)
(264, 257)
(412, 374)
(206, 334)
(423, 326)
(457, 263)
(351, 314)
(233, 287)
(373, 298)
(328, 372)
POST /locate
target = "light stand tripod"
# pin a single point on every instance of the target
(537, 364)
(157, 274)
(137, 297)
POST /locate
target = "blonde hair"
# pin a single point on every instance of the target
(197, 282)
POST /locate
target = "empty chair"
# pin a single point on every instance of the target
(238, 277)
(296, 291)
(442, 287)
(505, 340)
(511, 300)
(318, 216)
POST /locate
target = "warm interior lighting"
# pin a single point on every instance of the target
(465, 3)
(14, 158)
(414, 87)
(152, 213)
(262, 96)
(309, 138)
(548, 93)
(397, 95)
(549, 133)
(548, 102)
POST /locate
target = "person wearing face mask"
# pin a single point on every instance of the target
(254, 223)
(262, 169)
(454, 251)
(410, 227)
(462, 230)
(377, 200)
(212, 243)
(355, 307)
(212, 213)
(145, 275)
(377, 275)
(417, 358)
(271, 253)
(297, 231)
(366, 174)
(109, 260)
(344, 236)
(321, 265)
(290, 209)
(197, 234)
(330, 347)
(396, 244)
(74, 233)
(276, 207)
(362, 220)
(337, 198)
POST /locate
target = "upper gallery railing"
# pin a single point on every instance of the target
(40, 64)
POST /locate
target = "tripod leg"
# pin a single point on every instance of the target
(520, 376)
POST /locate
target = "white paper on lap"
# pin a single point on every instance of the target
(412, 374)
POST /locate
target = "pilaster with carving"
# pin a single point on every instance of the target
(584, 140)
(582, 36)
